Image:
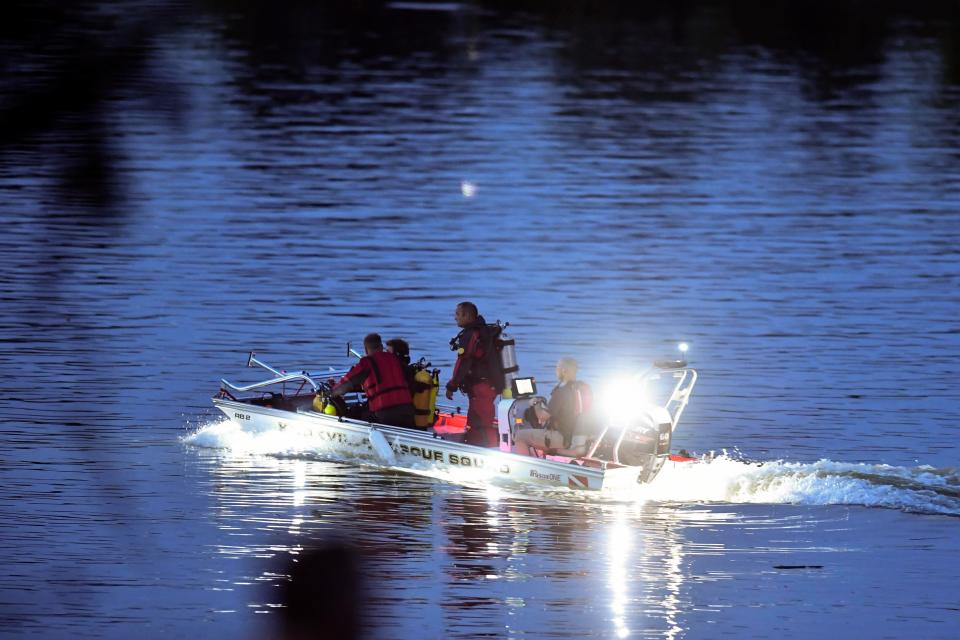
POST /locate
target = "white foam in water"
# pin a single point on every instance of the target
(724, 479)
(229, 435)
(721, 479)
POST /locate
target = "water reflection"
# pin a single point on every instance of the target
(502, 548)
(619, 554)
(441, 559)
(336, 57)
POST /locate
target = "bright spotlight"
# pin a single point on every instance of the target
(683, 346)
(623, 400)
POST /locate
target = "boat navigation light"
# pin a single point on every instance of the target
(683, 346)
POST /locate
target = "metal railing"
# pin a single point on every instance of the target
(675, 404)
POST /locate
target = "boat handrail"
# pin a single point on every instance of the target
(681, 395)
(252, 360)
(336, 374)
(266, 383)
(674, 406)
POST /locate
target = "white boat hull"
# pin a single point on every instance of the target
(416, 450)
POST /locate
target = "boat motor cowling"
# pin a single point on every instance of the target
(646, 438)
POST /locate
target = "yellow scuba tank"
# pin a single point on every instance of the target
(433, 395)
(424, 397)
(321, 405)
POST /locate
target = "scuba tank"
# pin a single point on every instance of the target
(423, 390)
(322, 405)
(508, 359)
(425, 385)
(434, 388)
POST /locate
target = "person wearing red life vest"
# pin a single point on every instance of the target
(381, 375)
(474, 375)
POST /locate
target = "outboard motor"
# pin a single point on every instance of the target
(644, 442)
(649, 436)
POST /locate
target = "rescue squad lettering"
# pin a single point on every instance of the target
(464, 461)
(426, 454)
(336, 437)
(435, 455)
(431, 455)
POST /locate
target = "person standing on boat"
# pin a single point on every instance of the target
(473, 374)
(380, 374)
(561, 418)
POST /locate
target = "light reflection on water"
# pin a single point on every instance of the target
(620, 542)
(465, 559)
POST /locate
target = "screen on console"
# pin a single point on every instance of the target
(524, 387)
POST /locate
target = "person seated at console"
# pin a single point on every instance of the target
(381, 375)
(563, 421)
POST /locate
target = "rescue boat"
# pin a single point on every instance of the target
(626, 449)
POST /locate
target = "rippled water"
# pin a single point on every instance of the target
(778, 187)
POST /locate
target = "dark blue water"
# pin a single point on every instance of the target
(779, 187)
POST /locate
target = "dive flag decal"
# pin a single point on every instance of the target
(578, 482)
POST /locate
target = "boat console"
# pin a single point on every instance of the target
(640, 437)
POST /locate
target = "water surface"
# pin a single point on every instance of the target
(778, 188)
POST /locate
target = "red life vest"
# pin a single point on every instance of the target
(385, 384)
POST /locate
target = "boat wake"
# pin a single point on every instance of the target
(722, 479)
(922, 489)
(229, 435)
